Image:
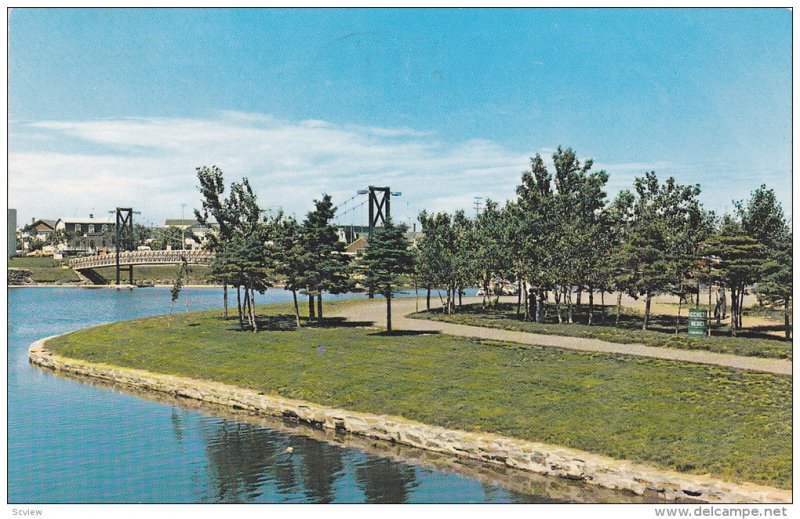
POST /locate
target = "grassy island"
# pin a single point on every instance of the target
(693, 418)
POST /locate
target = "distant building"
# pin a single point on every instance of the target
(351, 233)
(193, 227)
(41, 229)
(357, 247)
(86, 235)
(12, 232)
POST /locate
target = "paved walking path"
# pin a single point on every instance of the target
(375, 311)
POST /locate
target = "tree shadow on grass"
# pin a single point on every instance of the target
(659, 323)
(404, 333)
(288, 323)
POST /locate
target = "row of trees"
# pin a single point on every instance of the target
(255, 249)
(562, 237)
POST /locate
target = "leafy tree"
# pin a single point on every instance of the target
(168, 237)
(212, 189)
(775, 285)
(141, 234)
(655, 254)
(489, 250)
(432, 260)
(736, 261)
(762, 218)
(288, 249)
(327, 267)
(386, 259)
(175, 291)
(241, 257)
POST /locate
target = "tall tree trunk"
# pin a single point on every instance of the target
(239, 305)
(568, 299)
(741, 308)
(319, 307)
(591, 304)
(296, 307)
(312, 314)
(253, 309)
(246, 307)
(708, 311)
(557, 293)
(389, 311)
(532, 303)
(646, 310)
(786, 319)
(225, 299)
(485, 290)
(603, 304)
(619, 306)
(428, 300)
(680, 301)
(460, 293)
(734, 300)
(541, 307)
(524, 289)
(578, 299)
(519, 295)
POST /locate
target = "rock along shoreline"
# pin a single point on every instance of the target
(538, 458)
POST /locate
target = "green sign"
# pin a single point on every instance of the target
(697, 322)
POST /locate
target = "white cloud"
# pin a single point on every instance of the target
(149, 164)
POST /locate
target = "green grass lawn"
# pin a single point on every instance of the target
(45, 269)
(158, 274)
(693, 418)
(753, 343)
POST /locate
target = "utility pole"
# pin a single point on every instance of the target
(183, 228)
(477, 200)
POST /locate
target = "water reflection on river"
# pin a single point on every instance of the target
(71, 441)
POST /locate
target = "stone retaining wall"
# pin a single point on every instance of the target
(519, 454)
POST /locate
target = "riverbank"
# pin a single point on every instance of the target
(529, 456)
(647, 410)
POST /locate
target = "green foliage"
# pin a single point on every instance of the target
(326, 266)
(242, 257)
(168, 237)
(387, 258)
(45, 269)
(699, 419)
(175, 291)
(662, 237)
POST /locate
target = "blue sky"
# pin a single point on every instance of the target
(118, 107)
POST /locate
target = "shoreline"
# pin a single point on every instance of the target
(522, 455)
(120, 287)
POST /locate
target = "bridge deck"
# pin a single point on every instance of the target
(150, 257)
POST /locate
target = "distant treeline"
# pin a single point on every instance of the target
(563, 236)
(560, 238)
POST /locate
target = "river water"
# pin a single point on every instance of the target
(76, 441)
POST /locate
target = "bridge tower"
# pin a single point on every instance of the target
(124, 238)
(378, 207)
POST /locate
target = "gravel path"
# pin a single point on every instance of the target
(375, 311)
